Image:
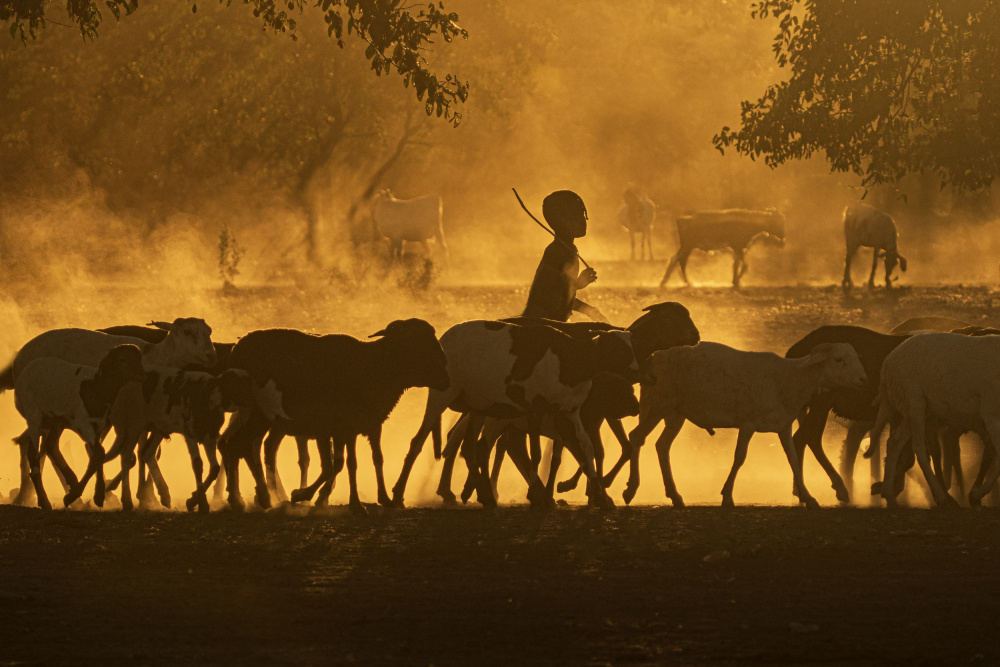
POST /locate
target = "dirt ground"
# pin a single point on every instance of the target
(759, 584)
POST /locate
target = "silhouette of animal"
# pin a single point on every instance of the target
(866, 226)
(637, 215)
(414, 220)
(730, 229)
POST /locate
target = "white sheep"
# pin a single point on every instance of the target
(188, 341)
(56, 394)
(940, 379)
(715, 386)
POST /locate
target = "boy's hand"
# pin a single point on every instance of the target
(587, 276)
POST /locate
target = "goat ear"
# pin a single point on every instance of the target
(881, 253)
(166, 326)
(902, 263)
(377, 334)
(819, 354)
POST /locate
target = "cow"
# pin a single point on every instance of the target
(734, 229)
(866, 226)
(637, 215)
(414, 220)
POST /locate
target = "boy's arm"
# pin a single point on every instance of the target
(588, 310)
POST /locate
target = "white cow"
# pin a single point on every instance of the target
(414, 220)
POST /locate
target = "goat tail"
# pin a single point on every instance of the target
(436, 434)
(7, 378)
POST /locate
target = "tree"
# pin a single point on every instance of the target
(394, 35)
(883, 88)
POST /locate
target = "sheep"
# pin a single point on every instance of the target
(716, 386)
(866, 226)
(661, 326)
(941, 379)
(415, 220)
(187, 341)
(637, 216)
(53, 393)
(733, 229)
(854, 403)
(509, 371)
(324, 387)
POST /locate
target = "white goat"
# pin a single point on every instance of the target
(941, 379)
(507, 371)
(715, 386)
(415, 220)
(188, 341)
(56, 394)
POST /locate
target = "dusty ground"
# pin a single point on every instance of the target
(758, 584)
(702, 585)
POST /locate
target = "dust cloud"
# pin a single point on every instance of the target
(132, 152)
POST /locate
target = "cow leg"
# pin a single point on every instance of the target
(674, 262)
(648, 239)
(375, 440)
(683, 265)
(742, 444)
(631, 238)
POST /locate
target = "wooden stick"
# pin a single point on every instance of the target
(543, 226)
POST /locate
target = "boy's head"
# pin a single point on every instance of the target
(565, 213)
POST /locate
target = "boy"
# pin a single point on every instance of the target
(558, 277)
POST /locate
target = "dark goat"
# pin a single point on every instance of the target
(866, 226)
(325, 387)
(856, 404)
(730, 229)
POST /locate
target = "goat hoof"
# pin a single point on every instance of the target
(974, 500)
(568, 485)
(811, 503)
(629, 494)
(727, 501)
(191, 503)
(126, 504)
(842, 495)
(300, 495)
(384, 500)
(448, 498)
(677, 501)
(358, 508)
(948, 502)
(165, 500)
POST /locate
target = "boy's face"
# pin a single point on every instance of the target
(574, 224)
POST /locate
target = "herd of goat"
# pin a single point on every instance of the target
(513, 381)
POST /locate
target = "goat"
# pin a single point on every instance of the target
(324, 387)
(732, 229)
(637, 216)
(715, 386)
(187, 341)
(853, 403)
(509, 371)
(866, 226)
(662, 326)
(415, 220)
(53, 393)
(941, 379)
